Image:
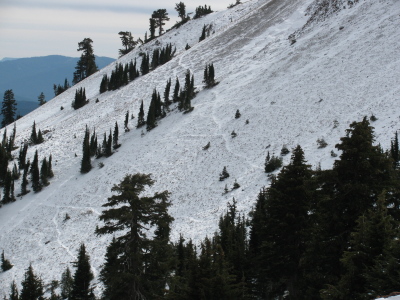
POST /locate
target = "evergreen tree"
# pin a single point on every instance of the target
(108, 151)
(394, 150)
(40, 137)
(176, 91)
(9, 108)
(181, 10)
(8, 191)
(24, 181)
(66, 284)
(81, 288)
(32, 286)
(144, 67)
(33, 139)
(160, 16)
(35, 175)
(152, 30)
(127, 42)
(115, 137)
(151, 114)
(126, 121)
(80, 98)
(50, 173)
(86, 65)
(41, 99)
(141, 122)
(203, 34)
(104, 84)
(93, 143)
(167, 102)
(237, 114)
(5, 263)
(43, 173)
(128, 212)
(86, 164)
(14, 295)
(223, 175)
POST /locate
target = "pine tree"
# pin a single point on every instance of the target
(22, 156)
(8, 191)
(176, 91)
(203, 34)
(40, 138)
(44, 173)
(80, 98)
(127, 42)
(181, 10)
(151, 114)
(41, 99)
(32, 286)
(104, 84)
(50, 173)
(66, 284)
(24, 181)
(14, 295)
(141, 122)
(237, 114)
(81, 288)
(86, 164)
(152, 29)
(224, 174)
(86, 65)
(108, 151)
(167, 102)
(5, 263)
(126, 121)
(160, 16)
(115, 137)
(144, 67)
(35, 174)
(129, 212)
(394, 150)
(9, 108)
(93, 143)
(33, 139)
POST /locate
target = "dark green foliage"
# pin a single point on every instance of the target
(135, 267)
(233, 134)
(126, 121)
(151, 114)
(44, 173)
(224, 174)
(235, 185)
(202, 11)
(8, 190)
(152, 30)
(81, 288)
(187, 94)
(86, 164)
(66, 284)
(203, 34)
(284, 150)
(181, 10)
(35, 174)
(80, 98)
(5, 263)
(104, 84)
(36, 137)
(272, 163)
(32, 286)
(59, 89)
(53, 287)
(206, 146)
(209, 76)
(108, 151)
(50, 173)
(9, 108)
(167, 102)
(141, 122)
(14, 295)
(115, 137)
(160, 16)
(187, 47)
(394, 150)
(127, 42)
(15, 173)
(86, 65)
(41, 99)
(176, 94)
(237, 114)
(93, 144)
(145, 65)
(22, 156)
(24, 181)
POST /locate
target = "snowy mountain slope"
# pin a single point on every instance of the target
(291, 94)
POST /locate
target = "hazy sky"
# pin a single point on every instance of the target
(44, 27)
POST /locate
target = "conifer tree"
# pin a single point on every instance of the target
(86, 65)
(394, 150)
(86, 164)
(35, 174)
(115, 137)
(8, 191)
(126, 121)
(50, 173)
(66, 284)
(5, 263)
(34, 139)
(144, 67)
(14, 295)
(141, 122)
(176, 91)
(39, 137)
(160, 16)
(203, 34)
(24, 181)
(127, 42)
(41, 99)
(81, 288)
(167, 102)
(44, 173)
(108, 151)
(9, 108)
(93, 143)
(181, 10)
(80, 98)
(151, 114)
(152, 29)
(131, 213)
(224, 174)
(32, 286)
(104, 84)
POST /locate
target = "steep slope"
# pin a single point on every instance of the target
(291, 94)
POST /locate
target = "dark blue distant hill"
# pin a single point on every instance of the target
(28, 77)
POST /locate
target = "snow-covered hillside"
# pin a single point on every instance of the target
(339, 70)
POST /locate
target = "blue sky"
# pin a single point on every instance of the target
(45, 27)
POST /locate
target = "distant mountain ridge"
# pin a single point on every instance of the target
(28, 77)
